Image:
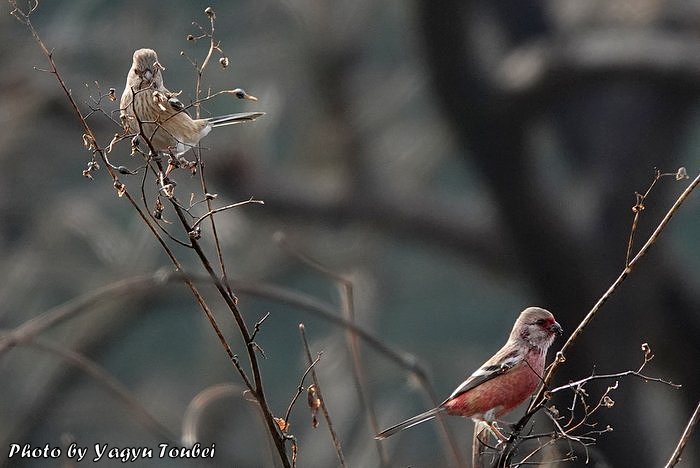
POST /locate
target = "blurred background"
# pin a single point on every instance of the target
(456, 160)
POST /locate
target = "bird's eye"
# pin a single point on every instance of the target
(540, 322)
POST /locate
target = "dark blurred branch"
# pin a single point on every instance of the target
(348, 308)
(83, 304)
(493, 126)
(105, 379)
(458, 226)
(146, 284)
(493, 97)
(195, 409)
(548, 65)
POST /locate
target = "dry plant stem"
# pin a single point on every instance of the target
(258, 389)
(638, 208)
(347, 307)
(210, 215)
(623, 275)
(202, 165)
(115, 387)
(324, 409)
(200, 70)
(477, 445)
(348, 311)
(311, 304)
(193, 289)
(300, 387)
(685, 438)
(637, 374)
(211, 212)
(144, 200)
(540, 398)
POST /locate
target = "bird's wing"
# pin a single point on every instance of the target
(494, 367)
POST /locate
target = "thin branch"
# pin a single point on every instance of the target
(347, 307)
(639, 206)
(623, 275)
(222, 284)
(199, 156)
(637, 374)
(91, 141)
(685, 438)
(540, 398)
(223, 208)
(324, 409)
(348, 310)
(258, 324)
(229, 299)
(300, 387)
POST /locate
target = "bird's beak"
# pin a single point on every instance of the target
(556, 328)
(241, 94)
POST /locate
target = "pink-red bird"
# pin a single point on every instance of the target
(504, 381)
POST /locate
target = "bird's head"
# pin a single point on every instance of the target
(537, 327)
(146, 69)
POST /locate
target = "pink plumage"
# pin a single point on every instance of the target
(504, 381)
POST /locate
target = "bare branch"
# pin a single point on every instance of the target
(623, 275)
(322, 401)
(685, 437)
(223, 208)
(300, 387)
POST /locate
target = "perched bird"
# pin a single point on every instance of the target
(147, 107)
(504, 381)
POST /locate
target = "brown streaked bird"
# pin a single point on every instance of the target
(163, 118)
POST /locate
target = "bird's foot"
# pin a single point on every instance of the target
(496, 432)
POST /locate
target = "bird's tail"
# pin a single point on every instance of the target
(231, 119)
(430, 414)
